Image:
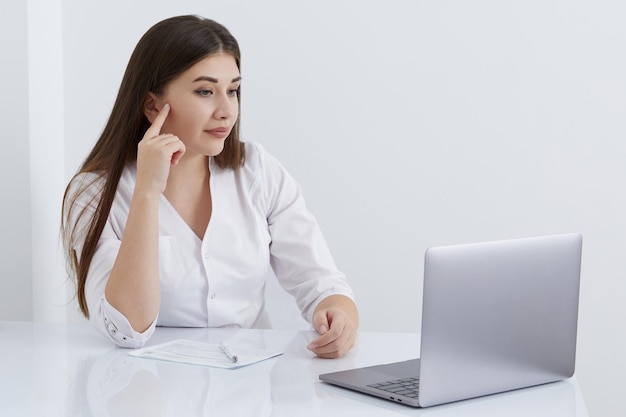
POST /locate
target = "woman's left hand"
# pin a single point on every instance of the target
(336, 320)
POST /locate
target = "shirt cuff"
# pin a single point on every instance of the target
(118, 328)
(313, 307)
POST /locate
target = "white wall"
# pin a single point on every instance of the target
(15, 267)
(51, 288)
(417, 123)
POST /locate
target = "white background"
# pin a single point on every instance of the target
(408, 124)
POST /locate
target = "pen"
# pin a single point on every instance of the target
(229, 352)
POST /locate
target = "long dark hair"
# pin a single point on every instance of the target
(167, 49)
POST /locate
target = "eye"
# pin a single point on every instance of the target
(234, 92)
(204, 93)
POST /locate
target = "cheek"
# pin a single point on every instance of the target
(190, 113)
(171, 124)
(178, 121)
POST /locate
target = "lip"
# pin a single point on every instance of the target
(219, 132)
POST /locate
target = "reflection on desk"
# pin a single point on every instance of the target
(70, 370)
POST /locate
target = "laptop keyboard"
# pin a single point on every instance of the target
(409, 387)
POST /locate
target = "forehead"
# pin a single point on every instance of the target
(221, 66)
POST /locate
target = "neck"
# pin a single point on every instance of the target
(188, 172)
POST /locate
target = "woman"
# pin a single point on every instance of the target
(172, 221)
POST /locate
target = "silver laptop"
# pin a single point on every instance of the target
(497, 316)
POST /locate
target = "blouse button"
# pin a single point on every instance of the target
(213, 296)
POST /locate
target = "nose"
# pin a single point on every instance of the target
(227, 107)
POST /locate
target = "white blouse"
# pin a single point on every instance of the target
(258, 220)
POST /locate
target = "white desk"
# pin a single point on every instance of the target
(58, 370)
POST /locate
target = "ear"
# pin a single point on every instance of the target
(151, 106)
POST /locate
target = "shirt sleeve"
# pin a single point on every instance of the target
(107, 320)
(118, 329)
(299, 254)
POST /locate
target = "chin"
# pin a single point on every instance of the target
(216, 149)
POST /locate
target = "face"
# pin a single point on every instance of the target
(204, 104)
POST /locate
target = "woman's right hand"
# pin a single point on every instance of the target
(156, 153)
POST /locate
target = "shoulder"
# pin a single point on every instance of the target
(259, 162)
(262, 175)
(87, 179)
(128, 178)
(255, 153)
(85, 186)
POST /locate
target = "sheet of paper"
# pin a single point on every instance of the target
(206, 354)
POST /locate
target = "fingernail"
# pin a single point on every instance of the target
(323, 329)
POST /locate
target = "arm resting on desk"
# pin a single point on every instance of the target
(336, 319)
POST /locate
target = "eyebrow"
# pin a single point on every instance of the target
(214, 80)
